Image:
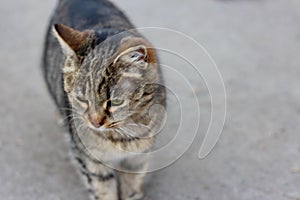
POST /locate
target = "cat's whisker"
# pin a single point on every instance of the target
(81, 127)
(114, 124)
(120, 131)
(67, 118)
(139, 125)
(128, 133)
(141, 128)
(69, 109)
(70, 116)
(142, 133)
(74, 118)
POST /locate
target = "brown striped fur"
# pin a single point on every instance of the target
(104, 78)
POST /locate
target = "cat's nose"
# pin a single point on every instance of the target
(97, 122)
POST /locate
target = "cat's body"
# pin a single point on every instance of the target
(104, 80)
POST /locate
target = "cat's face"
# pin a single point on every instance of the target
(111, 89)
(114, 85)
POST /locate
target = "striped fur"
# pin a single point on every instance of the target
(104, 78)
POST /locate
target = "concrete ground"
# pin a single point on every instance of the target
(256, 45)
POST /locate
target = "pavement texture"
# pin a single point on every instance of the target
(256, 45)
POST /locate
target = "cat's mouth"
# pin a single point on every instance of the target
(108, 131)
(105, 126)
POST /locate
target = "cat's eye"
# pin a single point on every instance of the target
(82, 100)
(116, 102)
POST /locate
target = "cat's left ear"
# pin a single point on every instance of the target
(136, 51)
(71, 40)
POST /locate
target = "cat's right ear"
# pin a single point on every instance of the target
(70, 40)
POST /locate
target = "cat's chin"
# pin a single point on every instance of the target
(100, 129)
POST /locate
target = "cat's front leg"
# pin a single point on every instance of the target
(101, 180)
(131, 179)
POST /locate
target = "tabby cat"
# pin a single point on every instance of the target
(105, 80)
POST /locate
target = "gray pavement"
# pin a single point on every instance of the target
(256, 45)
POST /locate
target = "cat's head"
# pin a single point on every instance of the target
(112, 83)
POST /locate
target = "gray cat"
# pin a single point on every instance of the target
(104, 78)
